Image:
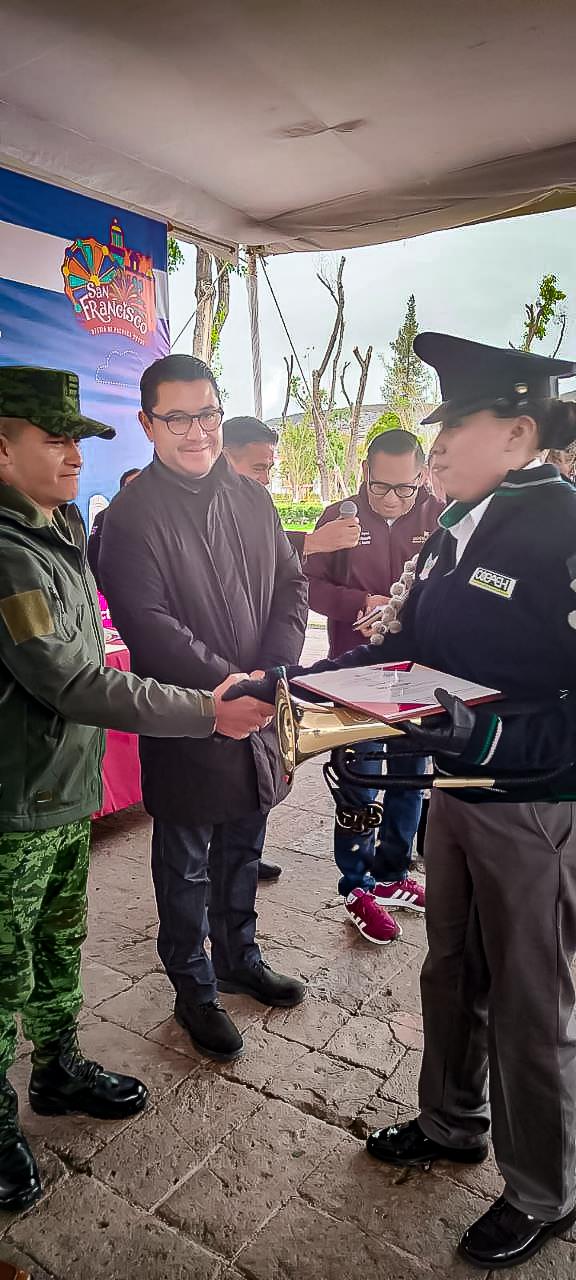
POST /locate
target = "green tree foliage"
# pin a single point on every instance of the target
(539, 315)
(407, 382)
(298, 459)
(386, 422)
(175, 255)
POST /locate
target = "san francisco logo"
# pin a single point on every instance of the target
(111, 287)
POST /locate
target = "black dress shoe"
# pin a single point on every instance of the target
(505, 1237)
(259, 981)
(268, 870)
(211, 1030)
(407, 1145)
(19, 1178)
(64, 1082)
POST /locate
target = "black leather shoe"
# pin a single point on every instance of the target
(211, 1030)
(259, 981)
(268, 870)
(407, 1145)
(64, 1082)
(505, 1237)
(20, 1185)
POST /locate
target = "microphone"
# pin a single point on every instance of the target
(348, 508)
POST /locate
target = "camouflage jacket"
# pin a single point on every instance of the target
(56, 695)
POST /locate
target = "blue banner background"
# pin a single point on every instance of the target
(39, 326)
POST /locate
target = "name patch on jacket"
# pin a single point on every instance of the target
(489, 580)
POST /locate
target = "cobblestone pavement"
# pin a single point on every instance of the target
(254, 1169)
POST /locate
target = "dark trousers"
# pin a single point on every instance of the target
(498, 992)
(383, 855)
(205, 880)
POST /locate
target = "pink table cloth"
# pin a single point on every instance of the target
(121, 765)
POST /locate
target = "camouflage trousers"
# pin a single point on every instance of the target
(43, 877)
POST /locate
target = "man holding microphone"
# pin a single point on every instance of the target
(397, 513)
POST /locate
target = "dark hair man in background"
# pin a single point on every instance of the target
(250, 446)
(201, 583)
(397, 514)
(93, 549)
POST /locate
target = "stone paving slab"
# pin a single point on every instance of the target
(249, 1177)
(86, 1232)
(303, 1243)
(253, 1170)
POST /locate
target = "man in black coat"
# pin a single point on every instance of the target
(202, 582)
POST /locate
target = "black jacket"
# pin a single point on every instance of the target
(500, 618)
(93, 547)
(197, 602)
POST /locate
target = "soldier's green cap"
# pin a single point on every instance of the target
(48, 398)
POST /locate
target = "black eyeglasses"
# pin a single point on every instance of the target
(179, 423)
(401, 490)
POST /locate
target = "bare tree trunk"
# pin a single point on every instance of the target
(351, 463)
(289, 374)
(202, 344)
(319, 422)
(223, 303)
(319, 417)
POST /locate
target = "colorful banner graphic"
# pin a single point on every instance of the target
(84, 286)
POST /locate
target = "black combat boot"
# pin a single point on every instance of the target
(63, 1082)
(19, 1178)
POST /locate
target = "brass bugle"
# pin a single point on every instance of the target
(308, 729)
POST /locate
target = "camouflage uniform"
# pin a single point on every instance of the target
(57, 697)
(42, 927)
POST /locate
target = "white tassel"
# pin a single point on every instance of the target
(388, 622)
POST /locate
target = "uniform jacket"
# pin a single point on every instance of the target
(195, 603)
(55, 695)
(500, 618)
(341, 580)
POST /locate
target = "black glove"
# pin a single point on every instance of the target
(440, 735)
(264, 690)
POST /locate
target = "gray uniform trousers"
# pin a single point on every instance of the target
(498, 995)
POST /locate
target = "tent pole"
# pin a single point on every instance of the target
(252, 288)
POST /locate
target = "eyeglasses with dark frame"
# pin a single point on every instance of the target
(209, 420)
(381, 490)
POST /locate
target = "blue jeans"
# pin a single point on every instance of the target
(382, 854)
(205, 880)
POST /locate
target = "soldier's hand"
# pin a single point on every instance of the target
(238, 719)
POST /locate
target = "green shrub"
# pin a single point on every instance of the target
(298, 515)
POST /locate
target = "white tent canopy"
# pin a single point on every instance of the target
(312, 124)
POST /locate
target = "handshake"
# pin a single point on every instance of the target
(451, 732)
(244, 703)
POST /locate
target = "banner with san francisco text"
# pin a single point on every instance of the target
(84, 286)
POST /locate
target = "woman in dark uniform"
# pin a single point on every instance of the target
(492, 602)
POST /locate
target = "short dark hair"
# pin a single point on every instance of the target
(241, 431)
(124, 478)
(178, 368)
(396, 442)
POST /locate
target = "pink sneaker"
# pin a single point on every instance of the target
(403, 893)
(373, 921)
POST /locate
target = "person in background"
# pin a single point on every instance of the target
(202, 582)
(397, 514)
(250, 448)
(57, 697)
(564, 460)
(93, 549)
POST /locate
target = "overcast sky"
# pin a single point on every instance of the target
(472, 282)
